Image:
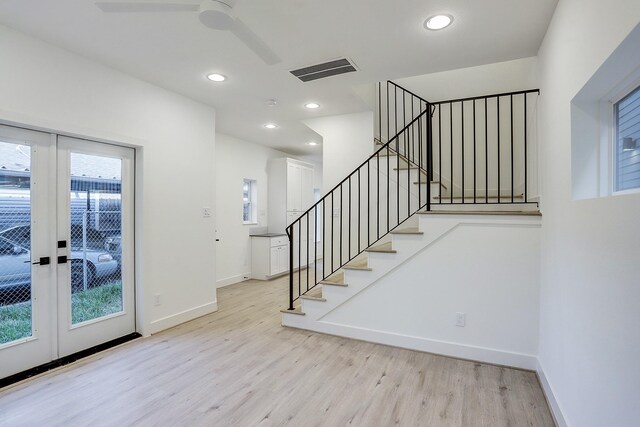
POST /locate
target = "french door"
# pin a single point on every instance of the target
(66, 246)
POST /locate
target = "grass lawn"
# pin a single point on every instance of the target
(15, 319)
(96, 302)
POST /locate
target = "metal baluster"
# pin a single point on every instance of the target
(307, 233)
(332, 232)
(369, 202)
(324, 237)
(462, 164)
(474, 151)
(380, 111)
(290, 236)
(511, 128)
(451, 138)
(429, 125)
(525, 148)
(420, 166)
(299, 256)
(340, 234)
(315, 244)
(439, 152)
(398, 179)
(499, 193)
(349, 222)
(486, 152)
(359, 206)
(388, 176)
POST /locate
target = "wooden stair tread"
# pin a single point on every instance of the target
(335, 278)
(297, 311)
(407, 230)
(333, 284)
(312, 298)
(482, 197)
(357, 264)
(386, 248)
(520, 213)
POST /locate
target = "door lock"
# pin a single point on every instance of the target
(45, 260)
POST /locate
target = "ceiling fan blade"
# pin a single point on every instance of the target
(254, 43)
(132, 7)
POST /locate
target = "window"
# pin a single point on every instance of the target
(627, 142)
(249, 201)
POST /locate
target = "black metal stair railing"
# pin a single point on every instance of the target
(365, 206)
(472, 150)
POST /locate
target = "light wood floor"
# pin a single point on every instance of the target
(239, 367)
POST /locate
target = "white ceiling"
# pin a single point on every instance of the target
(384, 38)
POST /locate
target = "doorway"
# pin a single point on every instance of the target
(66, 246)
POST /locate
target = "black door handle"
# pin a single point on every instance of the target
(45, 260)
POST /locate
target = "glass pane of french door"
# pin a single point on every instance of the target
(95, 235)
(15, 242)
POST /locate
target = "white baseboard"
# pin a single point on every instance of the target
(183, 316)
(457, 350)
(551, 398)
(233, 279)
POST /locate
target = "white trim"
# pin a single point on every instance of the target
(547, 389)
(451, 349)
(233, 279)
(182, 317)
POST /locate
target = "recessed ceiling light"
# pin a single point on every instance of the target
(312, 143)
(312, 105)
(270, 126)
(438, 22)
(216, 77)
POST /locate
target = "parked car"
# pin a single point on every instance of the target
(15, 262)
(113, 245)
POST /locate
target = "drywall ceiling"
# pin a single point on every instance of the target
(384, 38)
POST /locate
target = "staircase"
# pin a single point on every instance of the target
(469, 156)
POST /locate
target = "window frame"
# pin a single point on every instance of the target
(252, 202)
(620, 95)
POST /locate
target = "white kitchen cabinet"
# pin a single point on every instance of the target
(290, 191)
(269, 256)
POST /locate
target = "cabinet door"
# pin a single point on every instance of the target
(284, 258)
(274, 260)
(306, 187)
(293, 187)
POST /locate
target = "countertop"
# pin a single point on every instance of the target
(268, 235)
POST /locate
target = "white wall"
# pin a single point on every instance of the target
(488, 79)
(484, 266)
(236, 160)
(590, 293)
(49, 88)
(347, 141)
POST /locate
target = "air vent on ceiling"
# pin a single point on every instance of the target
(327, 69)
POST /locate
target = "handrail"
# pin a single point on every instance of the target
(495, 95)
(408, 91)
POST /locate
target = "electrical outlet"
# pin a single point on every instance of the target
(460, 319)
(156, 300)
(206, 212)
